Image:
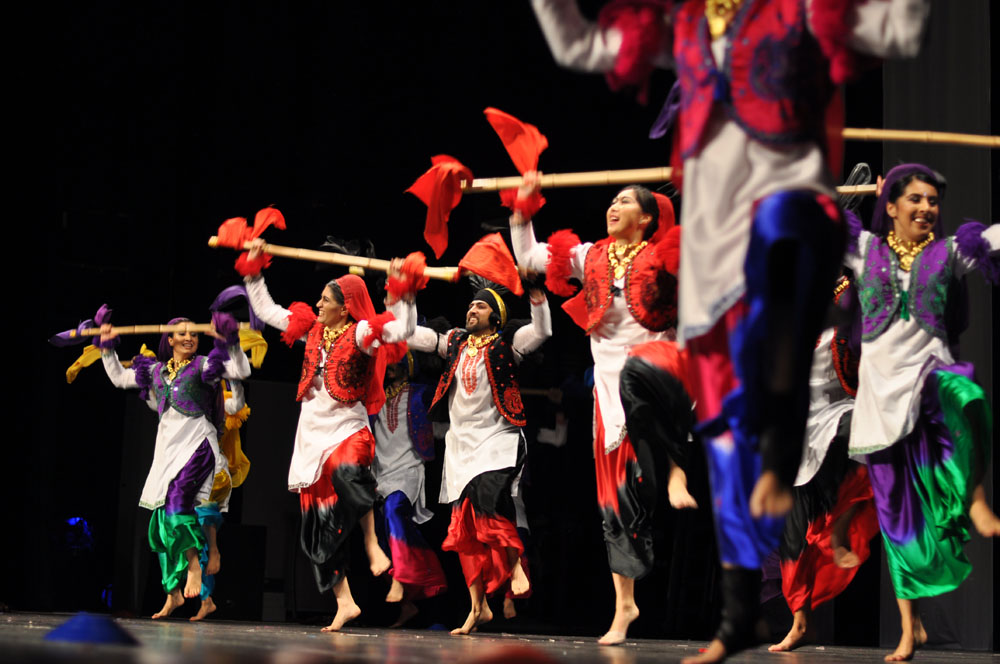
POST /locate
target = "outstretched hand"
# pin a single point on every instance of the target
(256, 248)
(107, 334)
(531, 184)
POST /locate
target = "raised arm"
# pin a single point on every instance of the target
(530, 337)
(427, 340)
(978, 247)
(886, 29)
(120, 376)
(535, 255)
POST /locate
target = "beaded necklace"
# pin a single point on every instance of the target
(907, 251)
(477, 343)
(330, 335)
(719, 13)
(174, 366)
(617, 263)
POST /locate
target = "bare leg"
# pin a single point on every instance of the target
(769, 496)
(626, 610)
(396, 591)
(347, 610)
(913, 635)
(379, 562)
(677, 489)
(519, 583)
(207, 607)
(193, 586)
(174, 599)
(214, 559)
(798, 635)
(983, 518)
(509, 610)
(479, 613)
(843, 557)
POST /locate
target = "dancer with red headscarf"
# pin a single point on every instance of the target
(628, 306)
(347, 349)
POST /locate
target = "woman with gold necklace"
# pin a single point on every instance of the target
(347, 349)
(629, 299)
(920, 421)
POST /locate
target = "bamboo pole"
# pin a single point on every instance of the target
(911, 136)
(149, 329)
(441, 273)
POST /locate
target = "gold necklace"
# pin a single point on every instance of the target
(330, 335)
(617, 264)
(842, 284)
(719, 13)
(478, 343)
(907, 251)
(174, 366)
(394, 390)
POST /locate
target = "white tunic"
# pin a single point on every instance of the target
(323, 421)
(177, 436)
(894, 366)
(732, 170)
(479, 439)
(397, 466)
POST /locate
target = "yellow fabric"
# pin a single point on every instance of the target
(252, 340)
(90, 355)
(221, 487)
(239, 464)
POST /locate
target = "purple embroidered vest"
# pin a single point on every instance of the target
(187, 394)
(882, 296)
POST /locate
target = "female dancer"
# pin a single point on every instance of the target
(183, 387)
(347, 349)
(919, 416)
(628, 299)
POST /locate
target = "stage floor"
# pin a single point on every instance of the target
(216, 642)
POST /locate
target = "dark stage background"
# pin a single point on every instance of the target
(162, 120)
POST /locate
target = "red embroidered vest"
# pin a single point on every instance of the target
(348, 369)
(501, 370)
(650, 291)
(774, 81)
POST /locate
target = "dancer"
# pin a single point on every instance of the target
(920, 419)
(832, 521)
(347, 350)
(628, 300)
(182, 387)
(762, 235)
(404, 440)
(484, 446)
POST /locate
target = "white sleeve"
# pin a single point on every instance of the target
(856, 259)
(889, 28)
(427, 340)
(965, 264)
(120, 376)
(530, 337)
(235, 403)
(579, 44)
(265, 308)
(534, 255)
(237, 367)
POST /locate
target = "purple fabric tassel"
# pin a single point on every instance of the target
(668, 113)
(142, 366)
(102, 317)
(234, 293)
(227, 327)
(71, 337)
(972, 244)
(854, 228)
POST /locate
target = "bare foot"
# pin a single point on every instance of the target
(406, 612)
(625, 615)
(798, 635)
(214, 561)
(477, 616)
(715, 652)
(207, 607)
(509, 610)
(345, 614)
(769, 497)
(909, 642)
(983, 518)
(380, 562)
(677, 490)
(395, 592)
(174, 599)
(844, 558)
(193, 586)
(840, 540)
(519, 583)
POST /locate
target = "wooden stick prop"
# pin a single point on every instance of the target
(441, 273)
(148, 329)
(910, 136)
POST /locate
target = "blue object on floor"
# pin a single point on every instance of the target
(90, 628)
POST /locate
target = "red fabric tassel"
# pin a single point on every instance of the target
(523, 141)
(251, 268)
(375, 325)
(233, 233)
(643, 30)
(557, 271)
(266, 218)
(528, 206)
(490, 258)
(440, 189)
(412, 279)
(300, 320)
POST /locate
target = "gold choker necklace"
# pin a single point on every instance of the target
(330, 335)
(618, 263)
(906, 250)
(478, 343)
(174, 366)
(391, 392)
(719, 13)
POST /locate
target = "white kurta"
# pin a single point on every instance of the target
(177, 436)
(324, 422)
(732, 170)
(479, 439)
(894, 366)
(397, 466)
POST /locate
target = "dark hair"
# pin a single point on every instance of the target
(647, 202)
(338, 293)
(899, 186)
(164, 350)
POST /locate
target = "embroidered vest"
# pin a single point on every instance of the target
(420, 427)
(882, 296)
(186, 394)
(774, 80)
(650, 291)
(348, 369)
(500, 369)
